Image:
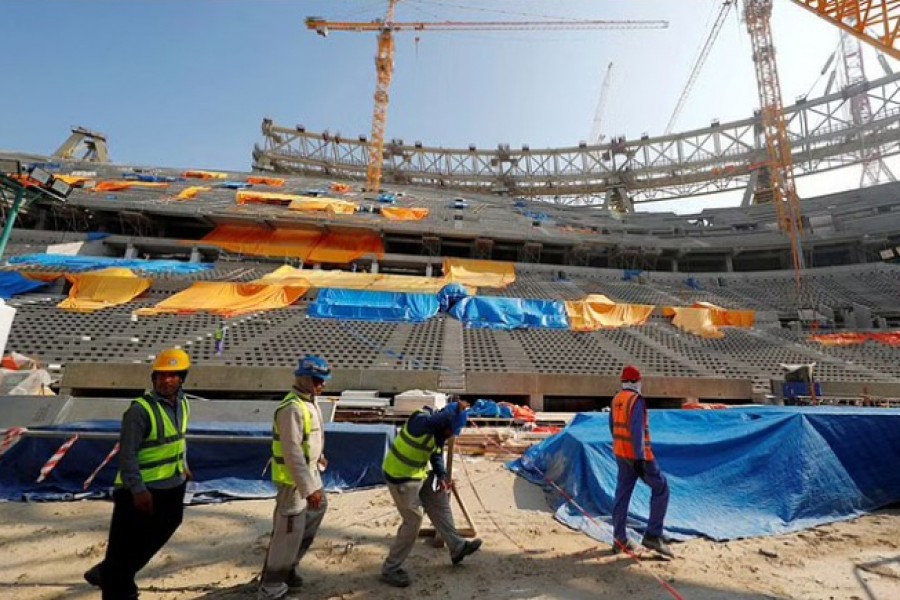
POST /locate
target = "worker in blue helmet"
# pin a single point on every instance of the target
(418, 482)
(298, 445)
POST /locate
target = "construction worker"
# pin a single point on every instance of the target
(298, 442)
(416, 488)
(629, 424)
(148, 500)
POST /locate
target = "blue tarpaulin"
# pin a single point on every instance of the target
(79, 264)
(222, 469)
(13, 284)
(450, 294)
(358, 305)
(492, 312)
(732, 473)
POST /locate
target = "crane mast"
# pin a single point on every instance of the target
(596, 137)
(384, 67)
(776, 184)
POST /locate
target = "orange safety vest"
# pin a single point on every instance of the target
(623, 445)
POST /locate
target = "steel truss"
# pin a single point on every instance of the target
(718, 158)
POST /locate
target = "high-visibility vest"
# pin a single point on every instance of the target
(280, 471)
(408, 457)
(623, 445)
(161, 457)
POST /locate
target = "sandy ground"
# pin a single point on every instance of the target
(44, 548)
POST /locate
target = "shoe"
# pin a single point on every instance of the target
(467, 549)
(398, 578)
(92, 575)
(656, 543)
(628, 546)
(294, 581)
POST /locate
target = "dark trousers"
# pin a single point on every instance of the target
(134, 538)
(659, 497)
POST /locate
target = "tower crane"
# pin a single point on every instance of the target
(726, 7)
(596, 137)
(384, 59)
(876, 22)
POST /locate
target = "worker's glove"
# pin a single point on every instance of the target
(640, 468)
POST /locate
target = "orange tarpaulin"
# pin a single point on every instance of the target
(731, 318)
(398, 213)
(74, 180)
(46, 276)
(269, 181)
(101, 289)
(191, 192)
(204, 175)
(851, 338)
(227, 299)
(694, 320)
(318, 278)
(479, 273)
(255, 197)
(308, 245)
(331, 205)
(341, 188)
(116, 186)
(599, 312)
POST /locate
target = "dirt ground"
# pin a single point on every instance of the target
(215, 555)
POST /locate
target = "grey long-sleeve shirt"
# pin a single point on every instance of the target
(136, 427)
(307, 478)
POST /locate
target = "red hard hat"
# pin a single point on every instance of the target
(630, 373)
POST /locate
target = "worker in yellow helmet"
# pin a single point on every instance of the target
(148, 500)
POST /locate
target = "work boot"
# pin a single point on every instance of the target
(467, 549)
(655, 542)
(619, 547)
(92, 575)
(397, 578)
(294, 581)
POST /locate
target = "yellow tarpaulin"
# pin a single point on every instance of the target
(269, 181)
(730, 318)
(191, 192)
(599, 312)
(255, 197)
(204, 175)
(101, 289)
(398, 213)
(116, 186)
(308, 245)
(228, 299)
(694, 320)
(74, 180)
(355, 281)
(479, 273)
(331, 205)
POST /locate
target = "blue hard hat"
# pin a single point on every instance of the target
(313, 366)
(458, 416)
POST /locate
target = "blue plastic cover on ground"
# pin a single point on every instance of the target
(450, 294)
(13, 284)
(223, 469)
(732, 473)
(492, 312)
(356, 305)
(79, 264)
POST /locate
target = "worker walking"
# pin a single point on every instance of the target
(298, 443)
(148, 500)
(630, 428)
(418, 482)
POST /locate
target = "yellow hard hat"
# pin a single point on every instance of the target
(173, 359)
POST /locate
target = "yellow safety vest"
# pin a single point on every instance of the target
(280, 472)
(408, 457)
(161, 457)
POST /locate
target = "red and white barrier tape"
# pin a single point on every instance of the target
(12, 436)
(57, 456)
(109, 457)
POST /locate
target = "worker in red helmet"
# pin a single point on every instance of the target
(629, 424)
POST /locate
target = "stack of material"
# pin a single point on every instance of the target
(497, 442)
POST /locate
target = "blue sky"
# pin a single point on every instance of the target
(187, 82)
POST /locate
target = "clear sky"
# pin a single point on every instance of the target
(186, 83)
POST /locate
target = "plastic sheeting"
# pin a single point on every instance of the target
(306, 244)
(399, 213)
(698, 321)
(79, 264)
(346, 280)
(734, 473)
(189, 193)
(599, 312)
(329, 205)
(479, 273)
(117, 186)
(374, 306)
(722, 317)
(103, 289)
(452, 293)
(222, 470)
(269, 181)
(491, 312)
(227, 299)
(195, 174)
(13, 284)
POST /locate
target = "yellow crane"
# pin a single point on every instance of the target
(384, 59)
